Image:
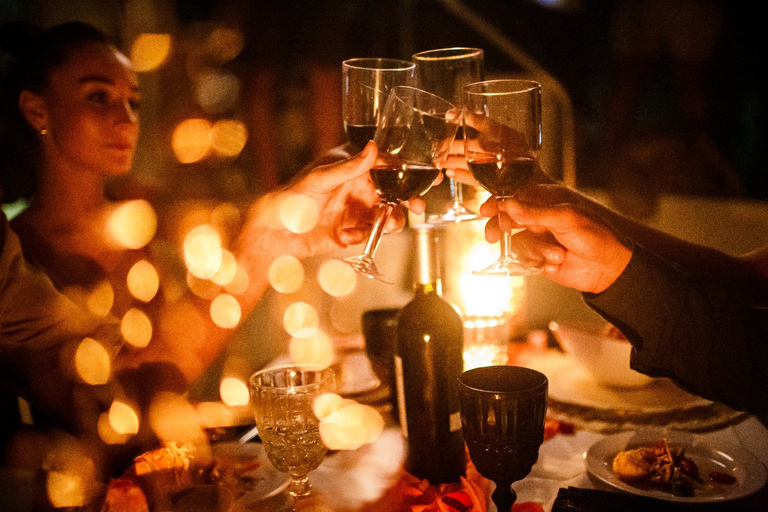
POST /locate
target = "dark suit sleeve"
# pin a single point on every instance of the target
(709, 340)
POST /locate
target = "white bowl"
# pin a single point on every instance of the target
(606, 358)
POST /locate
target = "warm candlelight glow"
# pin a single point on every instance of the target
(107, 432)
(143, 281)
(346, 424)
(239, 283)
(101, 298)
(136, 328)
(132, 225)
(174, 419)
(149, 51)
(203, 251)
(316, 349)
(191, 140)
(225, 43)
(92, 362)
(336, 278)
(299, 213)
(227, 270)
(123, 418)
(234, 392)
(225, 311)
(286, 274)
(228, 137)
(300, 320)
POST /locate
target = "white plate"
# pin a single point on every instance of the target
(709, 456)
(257, 484)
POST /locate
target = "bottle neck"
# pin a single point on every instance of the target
(428, 270)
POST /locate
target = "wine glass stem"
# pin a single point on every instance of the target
(455, 192)
(299, 486)
(503, 496)
(382, 216)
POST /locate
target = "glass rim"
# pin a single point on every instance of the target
(378, 63)
(326, 372)
(538, 382)
(522, 85)
(461, 52)
(440, 99)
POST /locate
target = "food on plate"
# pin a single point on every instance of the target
(612, 331)
(658, 464)
(124, 495)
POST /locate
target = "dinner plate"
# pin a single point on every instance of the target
(709, 455)
(255, 478)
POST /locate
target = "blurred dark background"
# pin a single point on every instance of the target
(650, 120)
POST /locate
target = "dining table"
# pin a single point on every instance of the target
(582, 434)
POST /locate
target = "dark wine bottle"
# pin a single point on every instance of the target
(428, 362)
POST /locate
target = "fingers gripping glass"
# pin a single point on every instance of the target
(365, 86)
(502, 139)
(414, 137)
(445, 72)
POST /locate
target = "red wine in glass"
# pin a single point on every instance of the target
(396, 184)
(501, 177)
(359, 135)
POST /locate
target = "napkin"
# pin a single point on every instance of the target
(575, 499)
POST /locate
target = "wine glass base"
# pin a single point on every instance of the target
(508, 269)
(452, 216)
(366, 266)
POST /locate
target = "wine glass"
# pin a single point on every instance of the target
(502, 139)
(445, 72)
(414, 136)
(282, 399)
(503, 409)
(366, 83)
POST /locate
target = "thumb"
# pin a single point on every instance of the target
(336, 174)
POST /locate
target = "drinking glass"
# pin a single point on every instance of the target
(445, 72)
(502, 139)
(414, 136)
(503, 409)
(282, 400)
(366, 83)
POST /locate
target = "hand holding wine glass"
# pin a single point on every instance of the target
(283, 399)
(445, 72)
(503, 409)
(366, 83)
(502, 139)
(414, 136)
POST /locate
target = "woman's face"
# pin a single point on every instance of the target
(92, 104)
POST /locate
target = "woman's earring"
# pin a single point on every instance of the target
(43, 131)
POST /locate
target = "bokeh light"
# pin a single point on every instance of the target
(101, 298)
(149, 51)
(203, 288)
(226, 311)
(203, 251)
(239, 283)
(234, 392)
(336, 278)
(191, 140)
(346, 424)
(136, 328)
(299, 213)
(216, 91)
(92, 362)
(301, 320)
(215, 414)
(143, 281)
(174, 419)
(225, 43)
(66, 489)
(132, 224)
(123, 418)
(316, 349)
(227, 270)
(107, 432)
(286, 274)
(228, 137)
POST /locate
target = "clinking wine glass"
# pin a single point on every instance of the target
(445, 72)
(282, 400)
(502, 139)
(414, 137)
(503, 409)
(366, 83)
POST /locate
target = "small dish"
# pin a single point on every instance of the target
(751, 475)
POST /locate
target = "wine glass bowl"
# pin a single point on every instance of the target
(282, 400)
(502, 140)
(414, 137)
(366, 83)
(445, 72)
(503, 409)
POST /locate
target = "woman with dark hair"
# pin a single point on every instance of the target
(74, 97)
